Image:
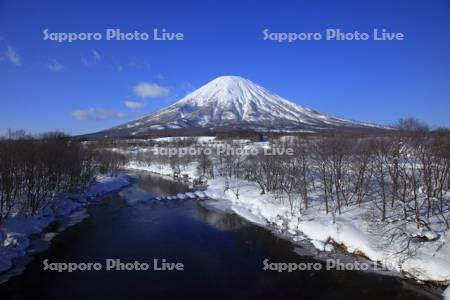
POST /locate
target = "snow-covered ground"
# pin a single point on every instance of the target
(355, 230)
(16, 230)
(164, 169)
(199, 139)
(446, 293)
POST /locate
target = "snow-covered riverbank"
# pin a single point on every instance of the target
(164, 169)
(16, 230)
(356, 230)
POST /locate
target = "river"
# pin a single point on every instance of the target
(222, 255)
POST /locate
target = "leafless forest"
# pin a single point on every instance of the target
(35, 171)
(404, 173)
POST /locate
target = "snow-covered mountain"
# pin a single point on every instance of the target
(234, 102)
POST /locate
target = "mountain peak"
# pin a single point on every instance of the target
(228, 78)
(223, 85)
(234, 102)
(224, 88)
(229, 82)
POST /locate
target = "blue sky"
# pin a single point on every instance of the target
(82, 86)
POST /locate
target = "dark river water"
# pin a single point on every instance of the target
(222, 256)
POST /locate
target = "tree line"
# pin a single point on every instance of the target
(406, 171)
(34, 171)
(403, 172)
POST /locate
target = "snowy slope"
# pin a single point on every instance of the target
(233, 101)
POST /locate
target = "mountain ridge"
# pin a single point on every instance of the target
(237, 103)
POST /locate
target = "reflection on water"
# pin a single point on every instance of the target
(224, 221)
(222, 254)
(159, 185)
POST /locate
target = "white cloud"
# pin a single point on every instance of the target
(96, 114)
(134, 104)
(150, 90)
(84, 61)
(55, 66)
(12, 56)
(91, 60)
(96, 55)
